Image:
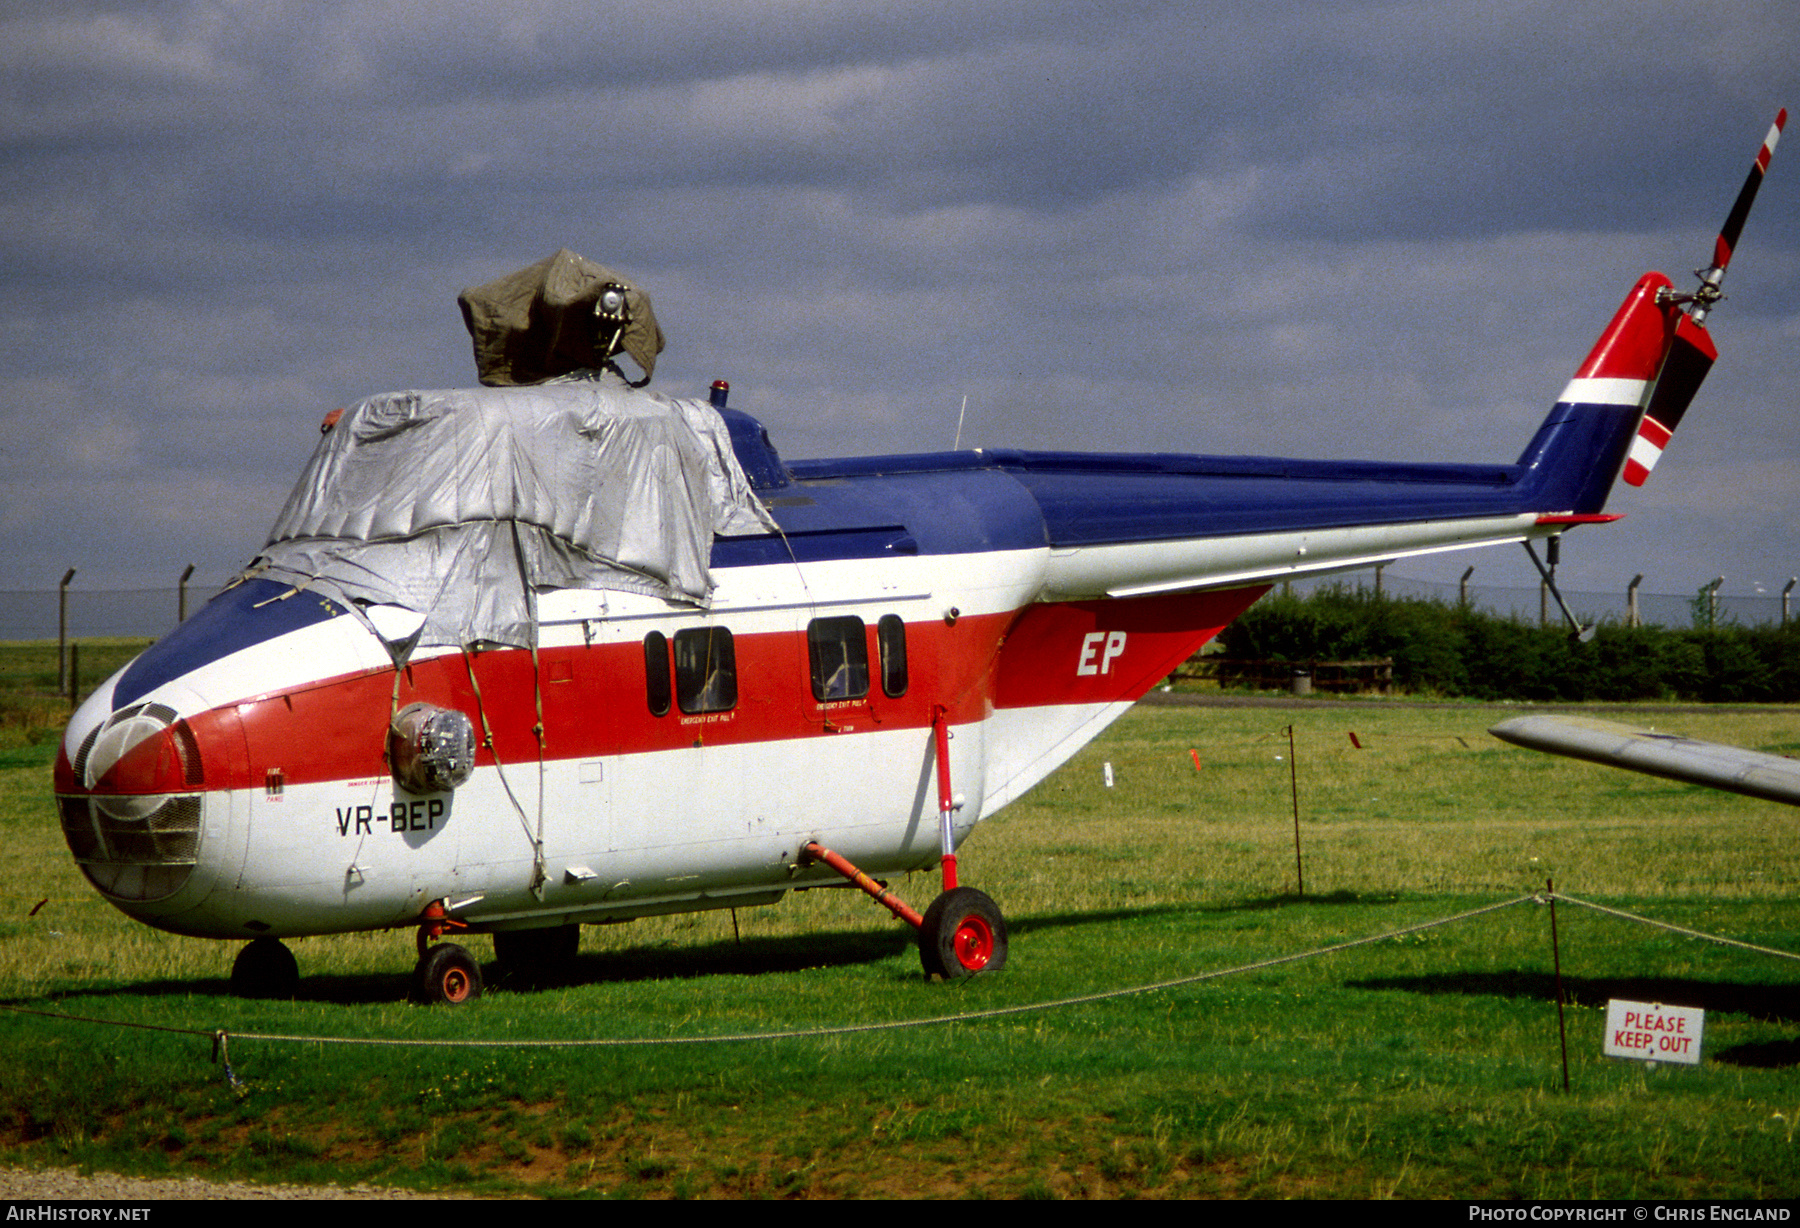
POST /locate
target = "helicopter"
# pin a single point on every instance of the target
(561, 650)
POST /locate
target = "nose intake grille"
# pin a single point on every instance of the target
(134, 859)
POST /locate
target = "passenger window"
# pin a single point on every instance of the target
(890, 639)
(839, 649)
(705, 670)
(656, 673)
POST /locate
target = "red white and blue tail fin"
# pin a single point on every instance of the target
(1691, 352)
(1623, 365)
(1572, 461)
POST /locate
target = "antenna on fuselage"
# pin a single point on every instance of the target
(957, 446)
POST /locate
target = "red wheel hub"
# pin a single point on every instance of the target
(456, 985)
(974, 943)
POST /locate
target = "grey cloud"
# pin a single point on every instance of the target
(1316, 228)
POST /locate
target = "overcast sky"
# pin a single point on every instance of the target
(1296, 228)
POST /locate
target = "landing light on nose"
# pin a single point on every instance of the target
(430, 749)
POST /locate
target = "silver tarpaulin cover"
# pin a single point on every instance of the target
(463, 505)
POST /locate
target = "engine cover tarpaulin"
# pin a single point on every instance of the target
(462, 505)
(539, 323)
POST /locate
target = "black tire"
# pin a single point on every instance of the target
(448, 975)
(265, 968)
(963, 934)
(537, 955)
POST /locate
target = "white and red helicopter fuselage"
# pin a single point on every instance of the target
(922, 640)
(234, 782)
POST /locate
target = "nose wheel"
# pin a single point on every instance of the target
(446, 975)
(963, 934)
(265, 968)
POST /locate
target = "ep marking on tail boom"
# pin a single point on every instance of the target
(560, 651)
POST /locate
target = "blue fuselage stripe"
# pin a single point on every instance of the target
(976, 502)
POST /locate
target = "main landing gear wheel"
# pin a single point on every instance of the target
(265, 969)
(537, 955)
(448, 974)
(963, 934)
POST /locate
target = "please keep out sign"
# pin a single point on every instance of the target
(1652, 1032)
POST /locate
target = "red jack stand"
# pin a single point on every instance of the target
(875, 890)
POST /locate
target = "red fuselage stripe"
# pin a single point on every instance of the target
(595, 705)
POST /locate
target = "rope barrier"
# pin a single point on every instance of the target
(1677, 929)
(221, 1037)
(219, 1034)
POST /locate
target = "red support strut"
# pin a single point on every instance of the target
(940, 733)
(434, 923)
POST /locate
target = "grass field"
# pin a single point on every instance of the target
(1420, 1066)
(31, 712)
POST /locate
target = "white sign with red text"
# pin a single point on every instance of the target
(1652, 1032)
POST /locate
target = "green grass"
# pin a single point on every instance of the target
(31, 712)
(1425, 1066)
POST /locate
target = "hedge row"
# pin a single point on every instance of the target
(1443, 649)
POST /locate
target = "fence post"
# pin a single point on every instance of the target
(181, 595)
(62, 633)
(1462, 589)
(1792, 580)
(1712, 602)
(1631, 601)
(1294, 790)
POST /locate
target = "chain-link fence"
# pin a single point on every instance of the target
(32, 614)
(96, 613)
(1531, 604)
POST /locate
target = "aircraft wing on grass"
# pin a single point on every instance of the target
(1731, 768)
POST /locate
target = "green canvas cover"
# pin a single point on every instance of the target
(539, 323)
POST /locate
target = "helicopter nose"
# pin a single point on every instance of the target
(130, 803)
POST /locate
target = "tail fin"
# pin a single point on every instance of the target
(1691, 351)
(1577, 452)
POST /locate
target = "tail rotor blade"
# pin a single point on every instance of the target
(1734, 223)
(1691, 355)
(1689, 352)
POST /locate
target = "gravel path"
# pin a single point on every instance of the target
(65, 1183)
